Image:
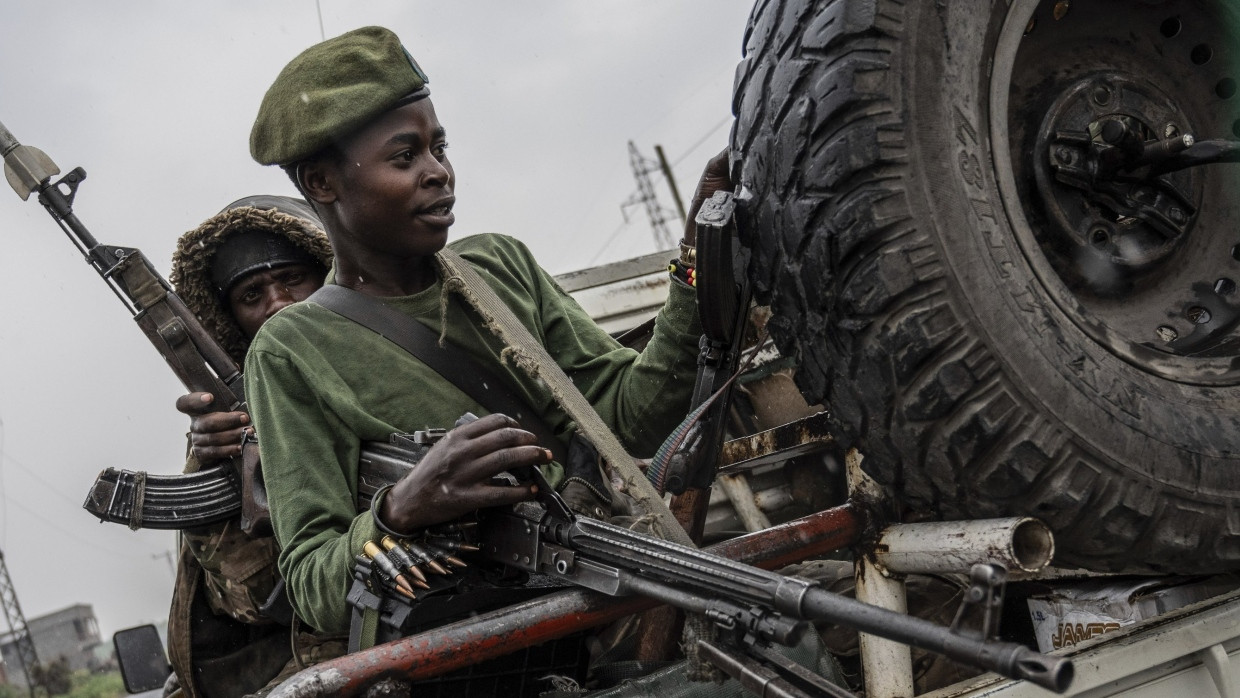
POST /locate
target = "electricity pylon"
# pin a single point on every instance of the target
(17, 624)
(642, 169)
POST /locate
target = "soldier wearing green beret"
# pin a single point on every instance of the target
(352, 123)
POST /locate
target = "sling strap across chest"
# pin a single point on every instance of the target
(452, 363)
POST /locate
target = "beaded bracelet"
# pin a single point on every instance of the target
(375, 503)
(688, 253)
(685, 273)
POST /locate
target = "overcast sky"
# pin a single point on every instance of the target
(155, 100)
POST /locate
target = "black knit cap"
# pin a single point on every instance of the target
(248, 251)
(193, 261)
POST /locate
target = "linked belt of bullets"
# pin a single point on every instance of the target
(411, 568)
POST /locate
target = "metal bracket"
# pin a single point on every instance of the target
(984, 599)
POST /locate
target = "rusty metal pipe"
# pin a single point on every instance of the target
(1018, 543)
(557, 615)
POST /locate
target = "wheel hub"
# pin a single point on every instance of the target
(1094, 181)
(1118, 207)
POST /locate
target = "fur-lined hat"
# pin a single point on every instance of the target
(192, 261)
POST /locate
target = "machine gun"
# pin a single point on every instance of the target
(753, 607)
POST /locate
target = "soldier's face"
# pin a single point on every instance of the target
(393, 185)
(260, 294)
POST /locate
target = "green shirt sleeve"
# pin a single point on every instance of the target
(310, 471)
(643, 395)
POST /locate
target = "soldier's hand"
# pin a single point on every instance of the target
(716, 177)
(454, 478)
(213, 435)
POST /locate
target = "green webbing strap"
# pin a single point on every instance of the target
(370, 628)
(531, 356)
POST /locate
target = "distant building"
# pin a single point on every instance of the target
(71, 633)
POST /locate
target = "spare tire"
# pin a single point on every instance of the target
(1001, 329)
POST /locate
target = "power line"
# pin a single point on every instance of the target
(75, 503)
(32, 473)
(689, 96)
(702, 140)
(607, 243)
(71, 535)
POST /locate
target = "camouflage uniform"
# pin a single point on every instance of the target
(219, 641)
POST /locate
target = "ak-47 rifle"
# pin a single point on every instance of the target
(139, 499)
(189, 500)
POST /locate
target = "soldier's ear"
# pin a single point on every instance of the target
(317, 180)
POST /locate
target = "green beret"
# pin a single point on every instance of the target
(331, 90)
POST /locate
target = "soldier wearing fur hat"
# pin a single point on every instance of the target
(352, 123)
(234, 271)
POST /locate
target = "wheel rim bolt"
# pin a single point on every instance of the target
(1167, 334)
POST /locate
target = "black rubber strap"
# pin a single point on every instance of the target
(452, 363)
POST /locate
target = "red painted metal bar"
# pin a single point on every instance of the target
(557, 615)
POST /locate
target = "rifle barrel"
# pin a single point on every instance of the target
(7, 141)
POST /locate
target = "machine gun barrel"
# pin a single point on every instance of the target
(739, 597)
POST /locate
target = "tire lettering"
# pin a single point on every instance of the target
(983, 209)
(964, 128)
(970, 169)
(1110, 388)
(1025, 301)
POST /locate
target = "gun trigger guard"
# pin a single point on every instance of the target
(982, 603)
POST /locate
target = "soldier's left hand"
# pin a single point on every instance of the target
(715, 177)
(213, 436)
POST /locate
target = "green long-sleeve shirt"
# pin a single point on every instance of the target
(318, 385)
